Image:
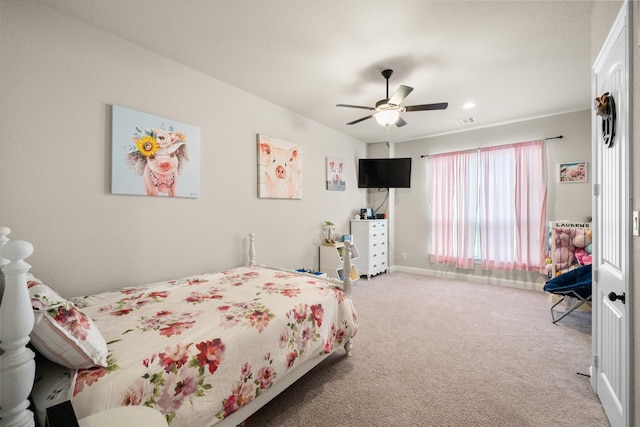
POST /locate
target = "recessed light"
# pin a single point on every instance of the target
(469, 105)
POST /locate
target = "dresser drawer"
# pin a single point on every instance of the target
(378, 245)
(378, 231)
(377, 258)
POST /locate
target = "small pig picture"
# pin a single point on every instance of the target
(153, 156)
(279, 169)
(335, 179)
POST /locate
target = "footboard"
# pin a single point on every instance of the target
(17, 365)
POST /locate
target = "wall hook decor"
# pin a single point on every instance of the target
(606, 108)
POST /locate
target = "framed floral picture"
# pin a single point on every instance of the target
(335, 177)
(153, 156)
(573, 172)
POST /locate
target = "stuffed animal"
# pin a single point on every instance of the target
(564, 256)
(582, 243)
(582, 238)
(583, 257)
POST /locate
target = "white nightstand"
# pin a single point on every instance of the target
(125, 416)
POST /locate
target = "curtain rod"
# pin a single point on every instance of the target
(546, 139)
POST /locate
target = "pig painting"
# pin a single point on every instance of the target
(158, 157)
(149, 155)
(335, 181)
(279, 169)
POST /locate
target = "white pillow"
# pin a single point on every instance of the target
(62, 332)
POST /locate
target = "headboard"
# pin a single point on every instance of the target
(17, 365)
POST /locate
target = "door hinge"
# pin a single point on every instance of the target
(595, 361)
(594, 274)
(596, 189)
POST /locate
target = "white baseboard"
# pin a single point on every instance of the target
(470, 278)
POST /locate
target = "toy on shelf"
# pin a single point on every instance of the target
(568, 243)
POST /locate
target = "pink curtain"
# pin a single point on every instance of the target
(453, 207)
(513, 206)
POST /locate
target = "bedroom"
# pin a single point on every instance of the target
(60, 96)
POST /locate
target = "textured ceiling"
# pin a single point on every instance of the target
(514, 59)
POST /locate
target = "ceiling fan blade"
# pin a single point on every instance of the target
(400, 122)
(355, 106)
(360, 120)
(400, 94)
(439, 106)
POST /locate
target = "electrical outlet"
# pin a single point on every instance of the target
(636, 226)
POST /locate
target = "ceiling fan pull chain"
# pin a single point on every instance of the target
(387, 135)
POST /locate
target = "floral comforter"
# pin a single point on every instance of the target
(199, 348)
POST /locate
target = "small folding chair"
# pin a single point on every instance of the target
(575, 283)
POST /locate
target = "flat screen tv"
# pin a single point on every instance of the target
(384, 173)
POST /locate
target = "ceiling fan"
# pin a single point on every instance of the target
(387, 111)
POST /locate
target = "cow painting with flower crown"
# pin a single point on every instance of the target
(158, 157)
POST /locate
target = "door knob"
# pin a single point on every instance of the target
(613, 296)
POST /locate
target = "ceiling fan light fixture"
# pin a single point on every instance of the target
(387, 117)
(387, 110)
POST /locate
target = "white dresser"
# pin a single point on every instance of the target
(371, 237)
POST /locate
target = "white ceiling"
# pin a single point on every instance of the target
(515, 59)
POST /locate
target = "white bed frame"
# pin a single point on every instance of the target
(17, 365)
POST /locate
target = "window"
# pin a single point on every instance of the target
(489, 204)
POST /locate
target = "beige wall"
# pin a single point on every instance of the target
(59, 80)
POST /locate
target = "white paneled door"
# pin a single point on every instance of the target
(611, 229)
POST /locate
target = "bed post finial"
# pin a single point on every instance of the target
(17, 366)
(4, 233)
(252, 249)
(4, 239)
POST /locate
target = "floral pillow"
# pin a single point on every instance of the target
(62, 332)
